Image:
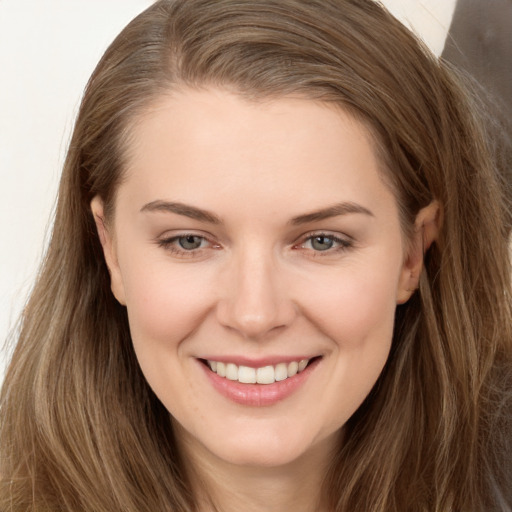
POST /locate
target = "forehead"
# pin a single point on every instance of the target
(194, 142)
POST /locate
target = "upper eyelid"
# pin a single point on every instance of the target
(183, 233)
(173, 238)
(326, 233)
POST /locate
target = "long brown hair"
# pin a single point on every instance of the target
(80, 428)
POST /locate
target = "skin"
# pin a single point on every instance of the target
(258, 285)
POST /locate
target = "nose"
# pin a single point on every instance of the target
(255, 300)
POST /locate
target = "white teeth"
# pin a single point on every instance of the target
(263, 375)
(246, 375)
(293, 368)
(281, 371)
(231, 371)
(302, 364)
(221, 369)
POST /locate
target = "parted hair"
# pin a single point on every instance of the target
(81, 431)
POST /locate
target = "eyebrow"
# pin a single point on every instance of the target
(181, 209)
(331, 211)
(201, 215)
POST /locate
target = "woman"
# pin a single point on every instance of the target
(278, 278)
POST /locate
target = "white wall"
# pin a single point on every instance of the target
(48, 49)
(429, 19)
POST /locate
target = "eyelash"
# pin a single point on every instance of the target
(170, 244)
(343, 244)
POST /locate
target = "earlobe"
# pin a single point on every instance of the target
(426, 230)
(109, 251)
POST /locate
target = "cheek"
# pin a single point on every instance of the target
(357, 314)
(164, 304)
(357, 305)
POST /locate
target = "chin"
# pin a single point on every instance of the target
(256, 456)
(262, 447)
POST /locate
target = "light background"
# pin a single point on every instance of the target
(48, 49)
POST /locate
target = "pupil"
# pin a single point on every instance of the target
(322, 243)
(190, 242)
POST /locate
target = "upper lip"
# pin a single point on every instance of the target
(257, 362)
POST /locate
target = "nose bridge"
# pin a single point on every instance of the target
(255, 300)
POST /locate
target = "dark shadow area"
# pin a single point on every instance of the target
(480, 43)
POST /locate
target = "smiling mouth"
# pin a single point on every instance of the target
(263, 375)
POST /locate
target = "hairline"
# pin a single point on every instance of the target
(127, 140)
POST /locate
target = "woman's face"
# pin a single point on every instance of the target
(255, 238)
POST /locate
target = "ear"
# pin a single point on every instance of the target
(109, 249)
(426, 230)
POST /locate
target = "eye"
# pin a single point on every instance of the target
(190, 242)
(323, 242)
(186, 245)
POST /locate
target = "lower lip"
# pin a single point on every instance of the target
(259, 395)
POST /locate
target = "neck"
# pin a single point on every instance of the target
(224, 487)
